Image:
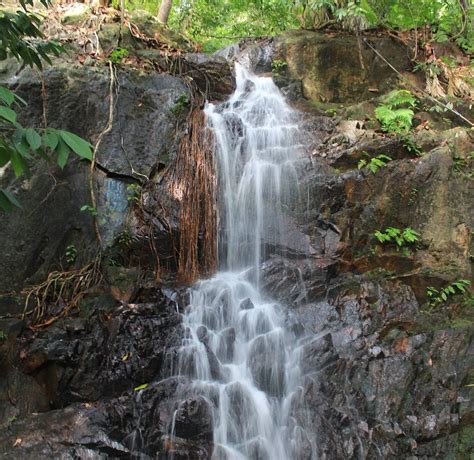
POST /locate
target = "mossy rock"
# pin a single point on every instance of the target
(331, 70)
(77, 13)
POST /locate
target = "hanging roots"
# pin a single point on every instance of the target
(193, 183)
(60, 293)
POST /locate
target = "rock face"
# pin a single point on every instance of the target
(34, 239)
(386, 376)
(336, 67)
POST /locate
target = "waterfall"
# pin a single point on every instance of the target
(236, 349)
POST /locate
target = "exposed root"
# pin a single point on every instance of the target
(107, 129)
(193, 183)
(60, 293)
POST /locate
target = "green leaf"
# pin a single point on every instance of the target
(5, 153)
(6, 95)
(141, 387)
(8, 114)
(50, 138)
(33, 138)
(79, 146)
(63, 153)
(21, 144)
(10, 197)
(18, 164)
(5, 203)
(361, 164)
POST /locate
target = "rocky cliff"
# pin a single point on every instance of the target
(386, 376)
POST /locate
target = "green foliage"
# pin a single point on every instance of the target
(427, 67)
(20, 34)
(71, 254)
(123, 239)
(90, 209)
(461, 165)
(405, 237)
(217, 23)
(437, 297)
(133, 192)
(410, 144)
(21, 38)
(374, 164)
(278, 66)
(3, 336)
(180, 104)
(396, 113)
(117, 55)
(19, 145)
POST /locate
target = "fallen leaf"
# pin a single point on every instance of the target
(140, 387)
(17, 442)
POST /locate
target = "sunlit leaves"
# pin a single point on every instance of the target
(403, 237)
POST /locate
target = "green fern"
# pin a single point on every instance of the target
(438, 296)
(400, 97)
(374, 164)
(393, 118)
(405, 237)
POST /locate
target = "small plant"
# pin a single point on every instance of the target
(123, 238)
(278, 66)
(461, 165)
(180, 104)
(374, 164)
(438, 108)
(117, 55)
(428, 67)
(413, 195)
(396, 113)
(133, 192)
(71, 254)
(90, 209)
(442, 295)
(112, 262)
(402, 238)
(3, 336)
(410, 144)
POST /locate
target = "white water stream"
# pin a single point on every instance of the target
(236, 350)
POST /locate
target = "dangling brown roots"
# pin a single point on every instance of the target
(193, 183)
(60, 293)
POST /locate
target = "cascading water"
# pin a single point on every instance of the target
(236, 349)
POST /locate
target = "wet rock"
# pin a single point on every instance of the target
(193, 419)
(246, 304)
(225, 350)
(267, 363)
(108, 356)
(202, 334)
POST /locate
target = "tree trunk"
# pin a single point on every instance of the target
(165, 10)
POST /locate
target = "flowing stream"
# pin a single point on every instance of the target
(236, 349)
